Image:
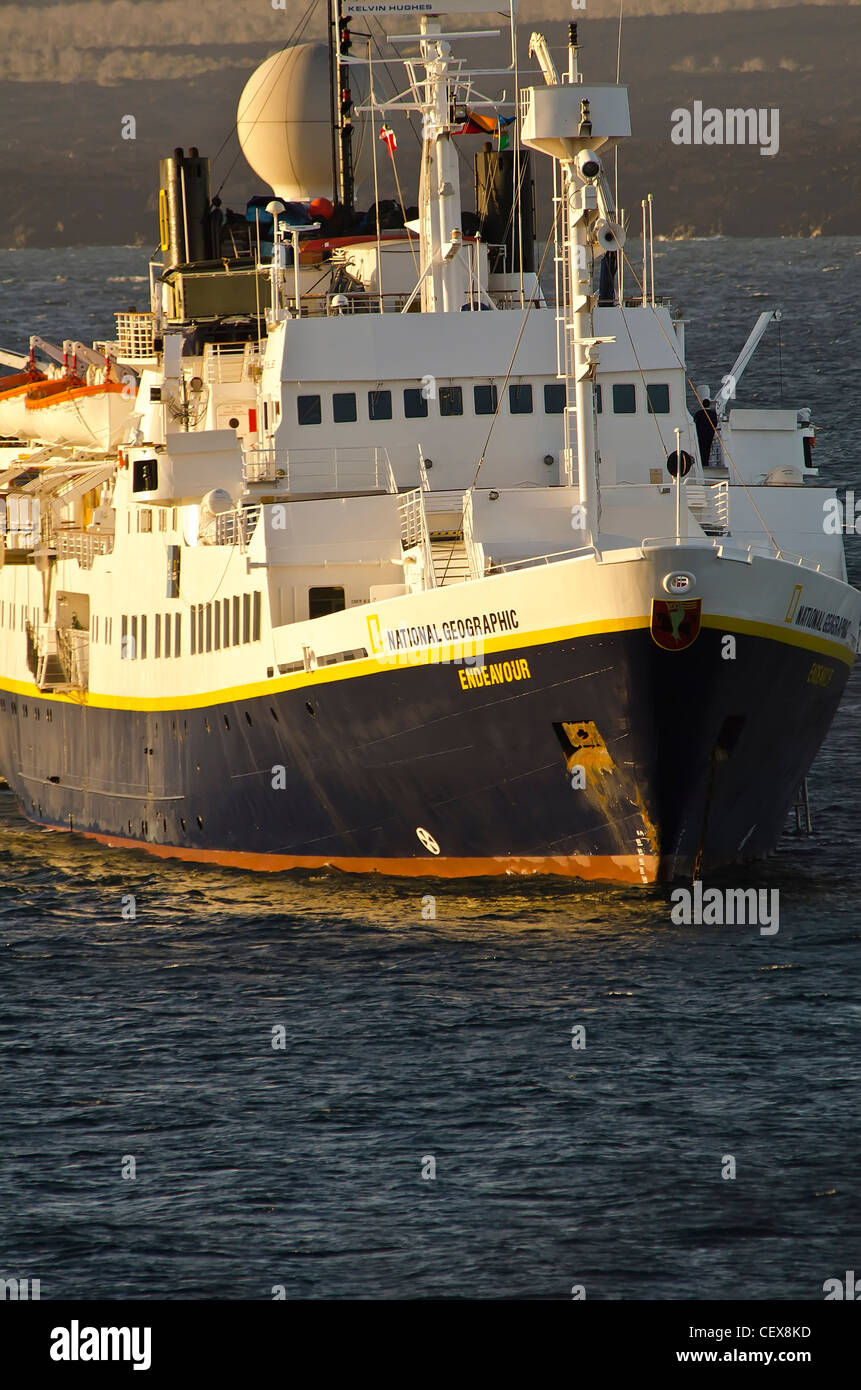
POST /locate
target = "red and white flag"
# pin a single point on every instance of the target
(389, 139)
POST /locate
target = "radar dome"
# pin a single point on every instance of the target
(284, 122)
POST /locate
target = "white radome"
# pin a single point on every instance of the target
(283, 122)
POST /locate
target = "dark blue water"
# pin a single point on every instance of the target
(449, 1038)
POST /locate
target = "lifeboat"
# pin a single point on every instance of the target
(40, 389)
(15, 423)
(13, 413)
(26, 378)
(90, 416)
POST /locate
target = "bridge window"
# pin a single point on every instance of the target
(379, 405)
(226, 621)
(236, 638)
(624, 399)
(451, 400)
(599, 400)
(255, 617)
(323, 601)
(344, 407)
(157, 636)
(520, 399)
(554, 398)
(246, 617)
(310, 411)
(485, 400)
(217, 624)
(659, 400)
(415, 403)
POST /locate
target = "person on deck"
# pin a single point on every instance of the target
(705, 422)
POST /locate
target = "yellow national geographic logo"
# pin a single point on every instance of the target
(793, 604)
(374, 634)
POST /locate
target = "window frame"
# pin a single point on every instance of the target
(344, 419)
(414, 395)
(619, 386)
(316, 417)
(515, 388)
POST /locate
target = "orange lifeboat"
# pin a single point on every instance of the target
(42, 389)
(91, 416)
(28, 378)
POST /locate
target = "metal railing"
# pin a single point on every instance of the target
(58, 656)
(135, 334)
(709, 503)
(225, 363)
(414, 530)
(358, 302)
(73, 651)
(321, 470)
(413, 526)
(82, 546)
(474, 549)
(235, 527)
(550, 559)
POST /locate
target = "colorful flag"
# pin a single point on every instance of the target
(478, 124)
(389, 139)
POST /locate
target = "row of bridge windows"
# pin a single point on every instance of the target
(485, 399)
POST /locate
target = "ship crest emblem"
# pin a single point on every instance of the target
(675, 622)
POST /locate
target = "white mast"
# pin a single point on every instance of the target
(571, 122)
(444, 274)
(439, 195)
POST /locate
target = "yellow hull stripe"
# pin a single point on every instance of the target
(370, 666)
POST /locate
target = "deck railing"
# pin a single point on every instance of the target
(82, 546)
(235, 527)
(414, 530)
(229, 362)
(321, 470)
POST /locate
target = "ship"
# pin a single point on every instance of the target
(396, 547)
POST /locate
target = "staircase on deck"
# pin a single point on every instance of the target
(444, 511)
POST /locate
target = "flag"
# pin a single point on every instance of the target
(389, 139)
(478, 124)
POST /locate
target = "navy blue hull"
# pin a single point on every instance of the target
(683, 754)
